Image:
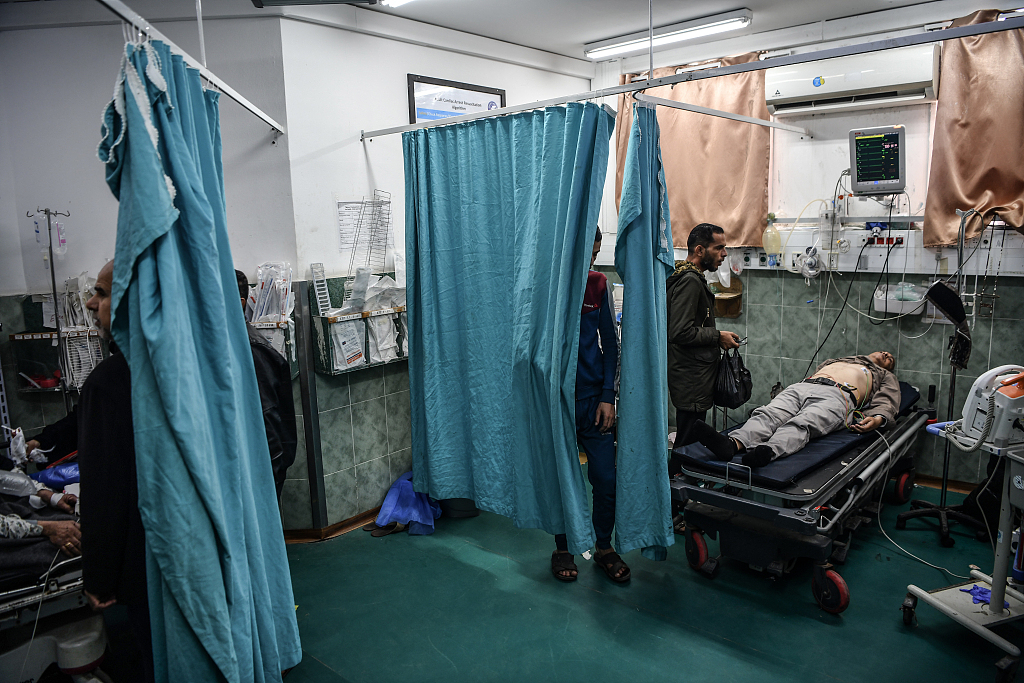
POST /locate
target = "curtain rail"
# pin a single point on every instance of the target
(127, 14)
(845, 51)
(661, 102)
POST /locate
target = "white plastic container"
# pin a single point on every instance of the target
(897, 307)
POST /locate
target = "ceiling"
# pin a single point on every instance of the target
(564, 26)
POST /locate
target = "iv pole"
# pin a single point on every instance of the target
(63, 379)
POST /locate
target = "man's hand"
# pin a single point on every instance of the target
(868, 424)
(65, 535)
(97, 604)
(728, 340)
(30, 446)
(605, 417)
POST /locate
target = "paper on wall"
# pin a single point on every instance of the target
(383, 338)
(347, 339)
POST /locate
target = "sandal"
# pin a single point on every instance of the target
(392, 528)
(561, 562)
(611, 563)
(372, 526)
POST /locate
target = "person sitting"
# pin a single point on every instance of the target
(860, 392)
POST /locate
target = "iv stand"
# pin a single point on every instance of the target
(64, 390)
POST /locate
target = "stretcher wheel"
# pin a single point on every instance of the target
(830, 592)
(909, 608)
(696, 549)
(904, 488)
(1006, 669)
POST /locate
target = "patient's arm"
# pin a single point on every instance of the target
(868, 424)
(885, 401)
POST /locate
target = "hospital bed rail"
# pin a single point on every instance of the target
(60, 591)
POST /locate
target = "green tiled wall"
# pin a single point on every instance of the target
(784, 320)
(365, 434)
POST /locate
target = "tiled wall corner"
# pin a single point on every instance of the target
(364, 440)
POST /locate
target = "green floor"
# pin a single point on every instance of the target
(476, 602)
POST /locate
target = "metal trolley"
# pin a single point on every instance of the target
(958, 605)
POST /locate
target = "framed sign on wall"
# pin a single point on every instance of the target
(432, 98)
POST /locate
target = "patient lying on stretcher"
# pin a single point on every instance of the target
(860, 393)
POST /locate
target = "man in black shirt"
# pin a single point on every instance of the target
(114, 561)
(274, 379)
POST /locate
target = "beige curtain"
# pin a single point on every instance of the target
(978, 149)
(716, 169)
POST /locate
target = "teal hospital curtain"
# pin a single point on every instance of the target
(220, 595)
(644, 260)
(500, 221)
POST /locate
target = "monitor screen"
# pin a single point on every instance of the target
(877, 164)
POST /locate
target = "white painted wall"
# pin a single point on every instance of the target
(55, 84)
(339, 82)
(12, 271)
(804, 170)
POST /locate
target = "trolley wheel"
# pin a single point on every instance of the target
(696, 549)
(830, 592)
(947, 541)
(909, 609)
(904, 488)
(1006, 669)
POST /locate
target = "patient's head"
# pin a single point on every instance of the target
(883, 359)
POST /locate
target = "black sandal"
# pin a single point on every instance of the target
(561, 562)
(611, 563)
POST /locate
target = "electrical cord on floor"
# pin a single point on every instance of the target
(881, 528)
(39, 610)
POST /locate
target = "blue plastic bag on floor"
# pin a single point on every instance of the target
(405, 506)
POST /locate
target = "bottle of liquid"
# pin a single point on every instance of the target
(771, 241)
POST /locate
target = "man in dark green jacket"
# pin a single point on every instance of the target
(694, 342)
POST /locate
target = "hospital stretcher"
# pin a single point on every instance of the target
(807, 505)
(75, 640)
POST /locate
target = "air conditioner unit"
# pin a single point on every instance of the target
(888, 78)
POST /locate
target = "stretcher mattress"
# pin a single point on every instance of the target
(785, 472)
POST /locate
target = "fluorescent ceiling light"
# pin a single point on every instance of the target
(666, 35)
(1008, 13)
(394, 3)
(697, 67)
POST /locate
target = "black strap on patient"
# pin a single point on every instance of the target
(831, 383)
